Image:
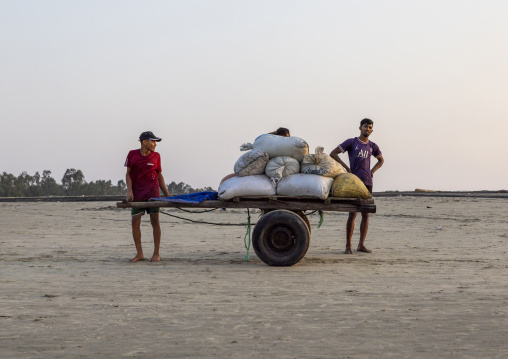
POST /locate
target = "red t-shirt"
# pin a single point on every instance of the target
(144, 170)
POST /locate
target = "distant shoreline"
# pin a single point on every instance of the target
(428, 193)
(416, 193)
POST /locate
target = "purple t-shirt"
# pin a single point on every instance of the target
(359, 157)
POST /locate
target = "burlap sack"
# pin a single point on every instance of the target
(349, 186)
(321, 164)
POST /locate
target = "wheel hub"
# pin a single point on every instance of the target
(281, 239)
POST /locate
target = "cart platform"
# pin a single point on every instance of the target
(281, 237)
(269, 203)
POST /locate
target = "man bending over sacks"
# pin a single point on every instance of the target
(281, 131)
(144, 178)
(359, 150)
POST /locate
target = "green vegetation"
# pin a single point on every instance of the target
(72, 184)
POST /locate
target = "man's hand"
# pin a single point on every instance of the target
(335, 155)
(380, 161)
(162, 184)
(128, 181)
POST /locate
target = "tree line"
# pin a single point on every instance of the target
(72, 184)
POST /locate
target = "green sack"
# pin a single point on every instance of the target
(347, 185)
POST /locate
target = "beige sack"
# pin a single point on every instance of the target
(321, 164)
(282, 166)
(304, 185)
(279, 146)
(258, 185)
(251, 163)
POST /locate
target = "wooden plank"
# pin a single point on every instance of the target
(63, 199)
(343, 206)
(302, 199)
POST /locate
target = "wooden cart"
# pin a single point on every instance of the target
(281, 236)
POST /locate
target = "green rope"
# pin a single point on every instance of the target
(247, 234)
(321, 219)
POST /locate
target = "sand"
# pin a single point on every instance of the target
(67, 289)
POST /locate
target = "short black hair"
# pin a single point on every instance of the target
(367, 121)
(282, 131)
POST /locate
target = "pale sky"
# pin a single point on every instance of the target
(80, 80)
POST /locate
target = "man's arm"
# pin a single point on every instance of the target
(128, 181)
(162, 184)
(380, 161)
(335, 155)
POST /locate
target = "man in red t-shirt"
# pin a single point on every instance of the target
(144, 178)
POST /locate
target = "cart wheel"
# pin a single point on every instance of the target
(300, 213)
(281, 238)
(305, 219)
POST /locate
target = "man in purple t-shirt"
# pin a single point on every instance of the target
(359, 150)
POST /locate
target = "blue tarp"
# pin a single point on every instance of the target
(196, 197)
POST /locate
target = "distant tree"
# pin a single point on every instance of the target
(205, 189)
(183, 188)
(179, 188)
(99, 188)
(49, 187)
(32, 185)
(121, 187)
(72, 181)
(20, 184)
(7, 185)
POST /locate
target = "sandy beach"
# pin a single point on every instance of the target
(68, 290)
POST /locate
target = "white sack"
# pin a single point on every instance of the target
(304, 185)
(279, 146)
(258, 185)
(282, 166)
(251, 163)
(321, 164)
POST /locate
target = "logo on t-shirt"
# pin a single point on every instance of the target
(150, 164)
(364, 154)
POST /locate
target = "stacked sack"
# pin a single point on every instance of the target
(321, 164)
(283, 166)
(347, 185)
(316, 178)
(280, 156)
(276, 146)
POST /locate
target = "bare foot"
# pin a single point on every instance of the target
(137, 258)
(348, 250)
(155, 258)
(363, 249)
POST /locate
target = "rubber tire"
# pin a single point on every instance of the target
(305, 219)
(281, 238)
(300, 213)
